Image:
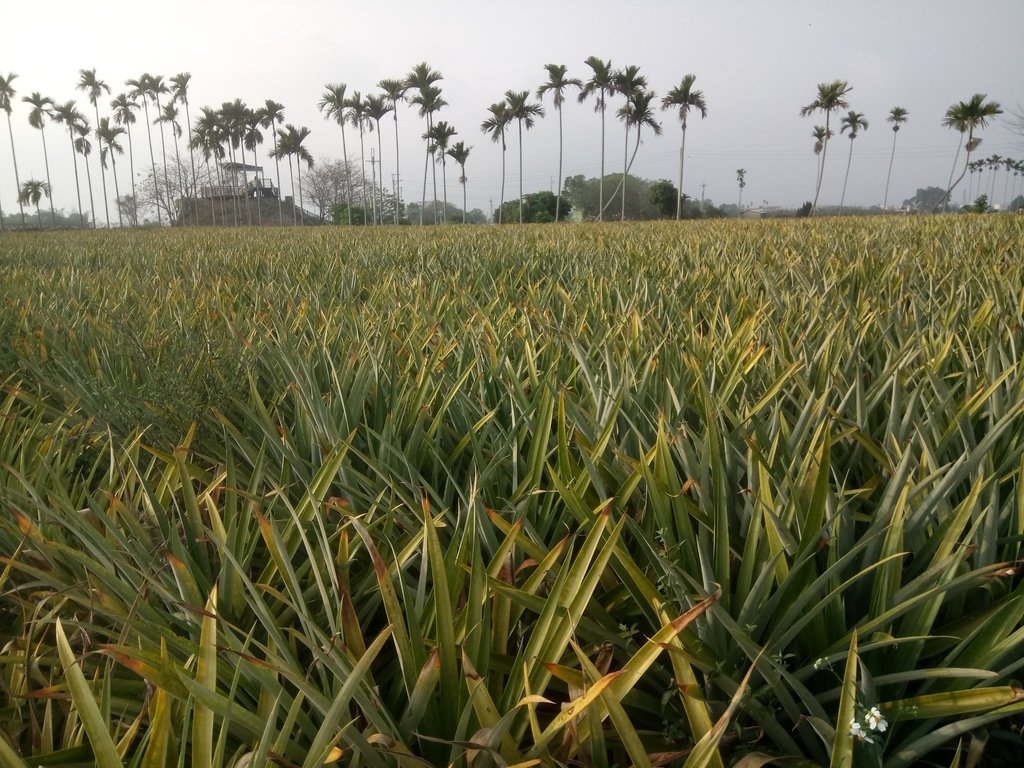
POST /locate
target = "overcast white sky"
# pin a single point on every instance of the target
(757, 62)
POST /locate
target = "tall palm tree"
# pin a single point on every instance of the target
(637, 112)
(169, 116)
(270, 115)
(741, 182)
(853, 122)
(897, 117)
(124, 107)
(334, 106)
(357, 119)
(460, 154)
(7, 94)
(376, 106)
(440, 135)
(109, 134)
(232, 116)
(84, 147)
(685, 98)
(628, 82)
(556, 85)
(95, 89)
(600, 85)
(252, 138)
(139, 89)
(395, 92)
(155, 87)
(819, 133)
(831, 97)
(179, 92)
(523, 113)
(283, 148)
(293, 142)
(494, 126)
(994, 162)
(964, 117)
(208, 139)
(428, 98)
(41, 109)
(67, 114)
(30, 193)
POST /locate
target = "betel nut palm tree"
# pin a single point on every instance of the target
(629, 83)
(357, 119)
(67, 114)
(897, 117)
(376, 106)
(108, 134)
(7, 94)
(965, 116)
(441, 133)
(30, 193)
(600, 85)
(84, 147)
(636, 112)
(139, 89)
(94, 88)
(179, 93)
(41, 109)
(523, 113)
(684, 97)
(421, 78)
(124, 107)
(272, 115)
(854, 123)
(831, 98)
(293, 141)
(556, 85)
(494, 126)
(395, 92)
(460, 154)
(334, 106)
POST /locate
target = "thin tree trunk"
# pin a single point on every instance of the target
(17, 180)
(600, 183)
(1006, 187)
(302, 213)
(163, 154)
(558, 195)
(152, 162)
(291, 181)
(213, 201)
(888, 176)
(625, 167)
(444, 187)
(88, 180)
(177, 158)
(433, 175)
(117, 189)
(501, 201)
(258, 190)
(398, 170)
(192, 161)
(682, 159)
(426, 163)
(348, 177)
(131, 170)
(849, 158)
(380, 170)
(520, 171)
(821, 168)
(277, 165)
(362, 162)
(46, 161)
(949, 188)
(78, 187)
(463, 180)
(103, 170)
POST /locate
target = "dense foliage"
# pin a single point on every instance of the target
(589, 495)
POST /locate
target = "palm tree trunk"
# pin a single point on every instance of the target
(888, 176)
(849, 158)
(103, 170)
(78, 187)
(380, 170)
(464, 194)
(177, 160)
(291, 181)
(945, 198)
(821, 168)
(46, 161)
(1006, 186)
(501, 201)
(520, 171)
(14, 158)
(625, 170)
(277, 165)
(163, 153)
(302, 213)
(600, 183)
(348, 177)
(682, 159)
(117, 189)
(152, 162)
(426, 163)
(433, 175)
(88, 180)
(398, 171)
(192, 161)
(558, 195)
(629, 165)
(131, 170)
(259, 192)
(444, 187)
(362, 162)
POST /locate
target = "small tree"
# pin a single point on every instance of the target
(664, 196)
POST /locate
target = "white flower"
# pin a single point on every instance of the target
(856, 729)
(875, 720)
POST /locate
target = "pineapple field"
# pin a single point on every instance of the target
(728, 493)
